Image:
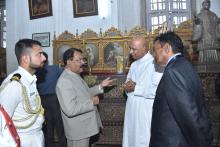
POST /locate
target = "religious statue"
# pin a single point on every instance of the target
(120, 64)
(206, 31)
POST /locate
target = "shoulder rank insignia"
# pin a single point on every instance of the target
(16, 77)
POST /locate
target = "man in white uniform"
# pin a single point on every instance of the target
(20, 97)
(140, 86)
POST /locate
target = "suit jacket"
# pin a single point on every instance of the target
(180, 117)
(80, 117)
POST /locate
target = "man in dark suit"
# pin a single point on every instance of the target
(180, 117)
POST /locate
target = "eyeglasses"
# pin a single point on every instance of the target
(79, 60)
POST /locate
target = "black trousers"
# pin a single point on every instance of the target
(53, 122)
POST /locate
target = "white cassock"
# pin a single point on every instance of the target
(139, 104)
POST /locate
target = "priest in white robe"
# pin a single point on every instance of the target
(140, 86)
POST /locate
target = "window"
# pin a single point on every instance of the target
(2, 26)
(173, 12)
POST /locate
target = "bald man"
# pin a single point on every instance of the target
(140, 87)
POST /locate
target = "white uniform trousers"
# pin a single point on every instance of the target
(32, 139)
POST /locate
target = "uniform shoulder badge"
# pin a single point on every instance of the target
(16, 77)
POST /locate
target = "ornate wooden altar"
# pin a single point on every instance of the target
(99, 49)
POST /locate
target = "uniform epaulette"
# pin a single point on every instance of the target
(16, 77)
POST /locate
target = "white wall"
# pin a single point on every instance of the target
(129, 15)
(215, 5)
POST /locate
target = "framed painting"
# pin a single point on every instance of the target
(43, 38)
(40, 8)
(83, 8)
(111, 51)
(92, 54)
